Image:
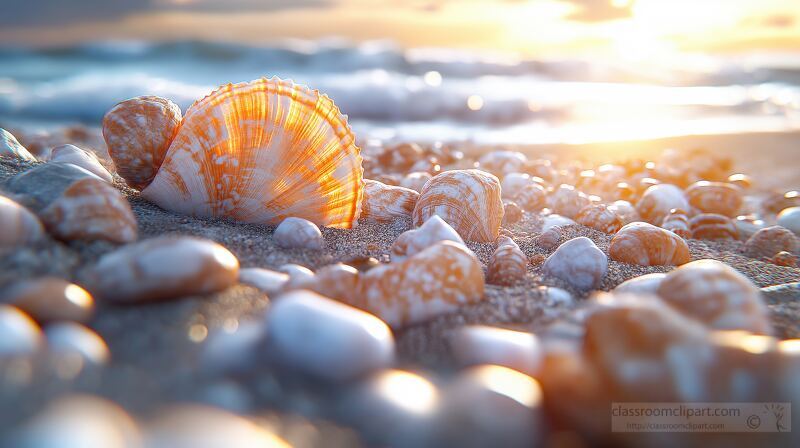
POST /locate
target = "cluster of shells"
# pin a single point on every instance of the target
(274, 153)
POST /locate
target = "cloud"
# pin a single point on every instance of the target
(779, 21)
(598, 10)
(21, 13)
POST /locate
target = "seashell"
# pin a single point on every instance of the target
(567, 201)
(82, 158)
(710, 226)
(91, 209)
(784, 258)
(257, 152)
(411, 242)
(532, 197)
(513, 183)
(780, 201)
(541, 168)
(69, 338)
(501, 163)
(438, 280)
(163, 268)
(298, 233)
(550, 238)
(478, 344)
(599, 217)
(578, 262)
(138, 133)
(388, 179)
(551, 221)
(491, 406)
(296, 272)
(270, 282)
(415, 181)
(677, 222)
(769, 241)
(10, 147)
(626, 211)
(512, 212)
(646, 284)
(716, 295)
(385, 203)
(647, 245)
(19, 334)
(715, 197)
(428, 165)
(49, 299)
(401, 156)
(18, 226)
(624, 191)
(363, 263)
(337, 281)
(468, 200)
(342, 344)
(203, 426)
(508, 264)
(742, 181)
(658, 200)
(790, 219)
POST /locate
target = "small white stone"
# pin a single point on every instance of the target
(643, 284)
(69, 337)
(11, 148)
(554, 220)
(298, 233)
(578, 262)
(518, 350)
(19, 334)
(326, 338)
(434, 230)
(265, 280)
(790, 218)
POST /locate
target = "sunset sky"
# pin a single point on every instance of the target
(546, 28)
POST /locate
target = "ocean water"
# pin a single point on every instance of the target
(425, 95)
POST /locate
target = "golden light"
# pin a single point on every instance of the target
(433, 78)
(198, 333)
(514, 385)
(408, 391)
(78, 296)
(475, 102)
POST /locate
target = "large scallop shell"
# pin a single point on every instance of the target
(647, 245)
(468, 200)
(260, 152)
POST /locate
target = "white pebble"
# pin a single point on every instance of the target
(578, 262)
(19, 334)
(790, 218)
(298, 233)
(265, 280)
(518, 350)
(643, 284)
(71, 338)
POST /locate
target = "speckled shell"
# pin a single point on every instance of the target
(385, 203)
(549, 238)
(468, 200)
(710, 226)
(567, 201)
(436, 281)
(578, 262)
(10, 147)
(599, 217)
(501, 163)
(90, 209)
(434, 230)
(658, 200)
(769, 241)
(512, 212)
(626, 211)
(677, 222)
(531, 197)
(162, 268)
(415, 181)
(138, 133)
(48, 299)
(716, 295)
(18, 225)
(298, 233)
(82, 158)
(715, 197)
(647, 245)
(790, 219)
(260, 152)
(508, 264)
(784, 258)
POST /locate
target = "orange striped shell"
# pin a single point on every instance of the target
(385, 203)
(647, 245)
(715, 197)
(711, 226)
(677, 222)
(599, 217)
(468, 200)
(260, 152)
(508, 264)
